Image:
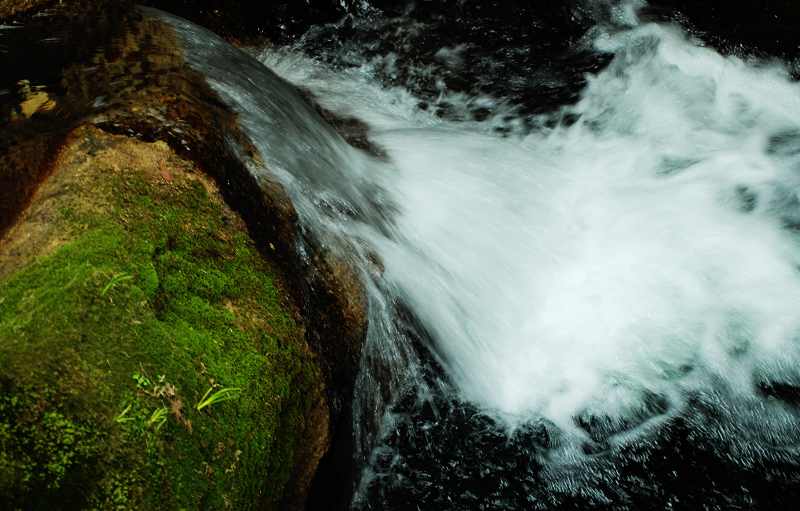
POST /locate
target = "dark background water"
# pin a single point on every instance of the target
(768, 26)
(445, 454)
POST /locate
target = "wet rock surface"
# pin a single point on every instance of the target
(34, 112)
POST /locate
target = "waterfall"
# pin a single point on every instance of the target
(598, 275)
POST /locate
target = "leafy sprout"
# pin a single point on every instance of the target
(158, 418)
(114, 282)
(123, 415)
(223, 394)
(141, 380)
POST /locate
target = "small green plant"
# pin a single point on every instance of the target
(114, 282)
(123, 415)
(142, 381)
(158, 418)
(223, 394)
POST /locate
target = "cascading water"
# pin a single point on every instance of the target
(610, 299)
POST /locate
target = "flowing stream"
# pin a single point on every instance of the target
(593, 307)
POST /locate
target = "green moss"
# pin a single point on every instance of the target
(150, 305)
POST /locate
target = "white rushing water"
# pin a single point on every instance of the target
(640, 251)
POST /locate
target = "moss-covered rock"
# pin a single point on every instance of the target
(130, 78)
(131, 297)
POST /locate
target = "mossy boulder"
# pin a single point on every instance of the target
(130, 78)
(149, 357)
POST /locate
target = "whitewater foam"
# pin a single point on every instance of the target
(644, 250)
